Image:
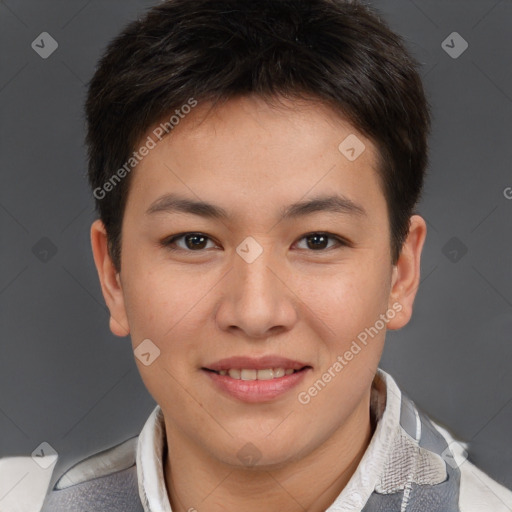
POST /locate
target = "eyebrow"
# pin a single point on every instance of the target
(173, 203)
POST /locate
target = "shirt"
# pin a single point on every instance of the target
(411, 464)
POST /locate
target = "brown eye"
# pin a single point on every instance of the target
(193, 242)
(196, 242)
(319, 241)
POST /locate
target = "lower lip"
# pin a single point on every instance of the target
(256, 390)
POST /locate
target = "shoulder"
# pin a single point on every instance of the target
(104, 463)
(104, 481)
(477, 490)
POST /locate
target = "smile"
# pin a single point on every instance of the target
(252, 385)
(252, 374)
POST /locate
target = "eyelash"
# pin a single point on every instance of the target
(167, 242)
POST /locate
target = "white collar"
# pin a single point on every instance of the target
(385, 406)
(150, 464)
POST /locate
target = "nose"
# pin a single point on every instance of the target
(258, 298)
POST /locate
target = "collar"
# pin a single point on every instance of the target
(391, 448)
(385, 407)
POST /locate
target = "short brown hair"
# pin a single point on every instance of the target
(338, 51)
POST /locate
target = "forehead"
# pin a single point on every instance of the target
(249, 151)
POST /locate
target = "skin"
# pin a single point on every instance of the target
(295, 301)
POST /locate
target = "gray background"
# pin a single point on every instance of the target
(65, 379)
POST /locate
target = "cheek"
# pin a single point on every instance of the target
(350, 305)
(159, 309)
(171, 308)
(348, 300)
(155, 300)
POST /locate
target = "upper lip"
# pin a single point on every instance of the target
(255, 363)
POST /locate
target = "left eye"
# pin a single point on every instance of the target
(319, 240)
(194, 242)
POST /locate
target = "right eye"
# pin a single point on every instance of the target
(194, 242)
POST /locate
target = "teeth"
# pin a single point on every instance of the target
(234, 374)
(251, 374)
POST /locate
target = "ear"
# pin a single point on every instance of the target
(406, 273)
(109, 279)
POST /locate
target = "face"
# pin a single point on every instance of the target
(288, 269)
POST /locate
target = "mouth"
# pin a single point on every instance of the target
(249, 374)
(256, 379)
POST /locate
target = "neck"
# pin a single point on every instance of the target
(197, 482)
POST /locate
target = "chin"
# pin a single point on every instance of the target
(261, 452)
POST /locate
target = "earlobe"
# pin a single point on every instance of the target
(117, 328)
(109, 279)
(406, 273)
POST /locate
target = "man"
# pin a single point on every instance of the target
(256, 166)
